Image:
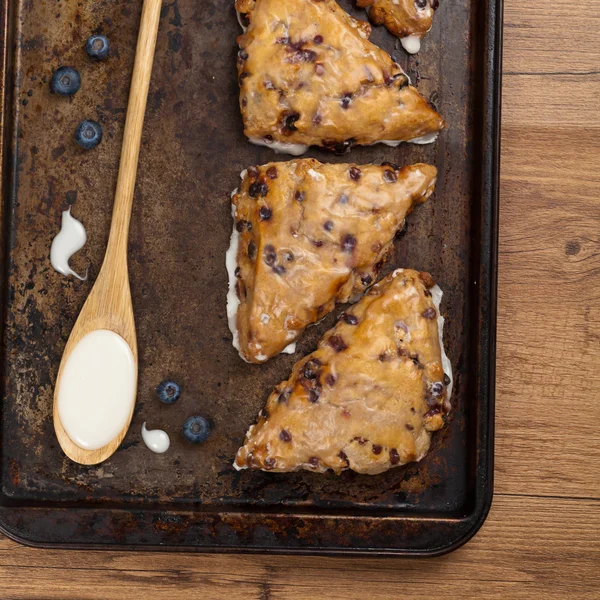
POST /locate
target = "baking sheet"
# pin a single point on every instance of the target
(192, 152)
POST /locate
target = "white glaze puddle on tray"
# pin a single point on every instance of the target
(157, 440)
(70, 239)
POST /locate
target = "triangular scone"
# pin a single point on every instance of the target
(307, 235)
(409, 20)
(309, 76)
(371, 394)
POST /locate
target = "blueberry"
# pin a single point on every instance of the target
(196, 430)
(65, 81)
(98, 47)
(168, 391)
(88, 134)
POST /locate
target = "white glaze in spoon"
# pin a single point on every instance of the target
(97, 389)
(70, 239)
(157, 440)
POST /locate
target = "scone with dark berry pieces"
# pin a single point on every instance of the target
(306, 236)
(409, 20)
(370, 396)
(309, 75)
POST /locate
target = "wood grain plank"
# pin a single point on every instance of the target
(528, 548)
(551, 37)
(549, 297)
(549, 360)
(549, 265)
(555, 102)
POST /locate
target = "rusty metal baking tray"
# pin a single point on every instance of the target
(192, 152)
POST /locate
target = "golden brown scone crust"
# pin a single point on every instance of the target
(311, 235)
(402, 17)
(368, 398)
(308, 75)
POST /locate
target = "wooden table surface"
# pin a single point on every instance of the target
(542, 537)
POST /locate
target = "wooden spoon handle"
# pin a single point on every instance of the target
(132, 136)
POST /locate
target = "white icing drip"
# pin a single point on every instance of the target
(289, 349)
(281, 147)
(239, 18)
(157, 440)
(404, 73)
(436, 296)
(411, 43)
(233, 301)
(298, 149)
(425, 139)
(70, 239)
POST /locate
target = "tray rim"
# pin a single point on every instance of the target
(491, 138)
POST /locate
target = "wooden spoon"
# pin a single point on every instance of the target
(109, 304)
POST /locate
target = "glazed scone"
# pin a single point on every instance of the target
(371, 394)
(308, 75)
(306, 236)
(409, 20)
